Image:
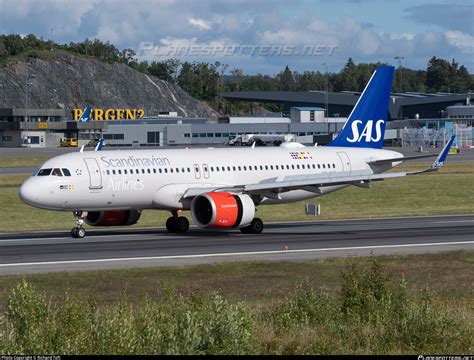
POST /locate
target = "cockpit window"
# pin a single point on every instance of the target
(56, 172)
(44, 172)
(66, 172)
(35, 172)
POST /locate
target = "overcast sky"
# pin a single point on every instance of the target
(330, 31)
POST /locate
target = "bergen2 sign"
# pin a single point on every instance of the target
(111, 114)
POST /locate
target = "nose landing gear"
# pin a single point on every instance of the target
(78, 232)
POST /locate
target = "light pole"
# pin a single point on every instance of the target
(400, 84)
(27, 116)
(326, 111)
(400, 59)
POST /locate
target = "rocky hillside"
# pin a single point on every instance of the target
(71, 81)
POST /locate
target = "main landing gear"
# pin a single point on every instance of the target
(78, 231)
(177, 224)
(255, 227)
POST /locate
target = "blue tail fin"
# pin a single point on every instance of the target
(365, 127)
(86, 114)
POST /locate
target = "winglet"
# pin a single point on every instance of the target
(100, 144)
(439, 162)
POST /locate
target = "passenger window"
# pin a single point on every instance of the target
(240, 169)
(166, 170)
(261, 167)
(266, 167)
(212, 168)
(319, 166)
(271, 167)
(56, 172)
(233, 168)
(217, 168)
(66, 172)
(154, 171)
(44, 172)
(171, 170)
(333, 166)
(324, 166)
(293, 167)
(288, 167)
(120, 172)
(182, 170)
(125, 171)
(189, 170)
(160, 170)
(297, 166)
(245, 168)
(223, 168)
(113, 172)
(276, 167)
(108, 172)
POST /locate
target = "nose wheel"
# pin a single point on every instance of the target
(78, 232)
(177, 224)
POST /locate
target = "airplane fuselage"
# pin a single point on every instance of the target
(158, 179)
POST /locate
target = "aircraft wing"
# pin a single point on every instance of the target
(314, 182)
(414, 157)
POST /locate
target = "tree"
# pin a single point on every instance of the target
(286, 80)
(437, 74)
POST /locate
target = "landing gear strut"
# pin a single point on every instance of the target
(177, 224)
(78, 231)
(255, 227)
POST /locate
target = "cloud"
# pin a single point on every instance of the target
(458, 17)
(199, 23)
(169, 23)
(464, 42)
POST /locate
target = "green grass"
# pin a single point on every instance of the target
(449, 191)
(22, 161)
(380, 305)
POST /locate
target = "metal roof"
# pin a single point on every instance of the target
(341, 98)
(308, 108)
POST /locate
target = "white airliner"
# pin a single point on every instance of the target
(221, 186)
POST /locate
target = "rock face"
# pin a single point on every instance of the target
(69, 81)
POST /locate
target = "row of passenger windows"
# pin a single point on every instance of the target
(53, 172)
(223, 169)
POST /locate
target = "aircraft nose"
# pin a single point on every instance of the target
(28, 193)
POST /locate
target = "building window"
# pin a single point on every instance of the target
(186, 135)
(311, 115)
(7, 138)
(153, 137)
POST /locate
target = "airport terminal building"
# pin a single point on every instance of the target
(304, 117)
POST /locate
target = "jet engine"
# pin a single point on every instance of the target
(112, 218)
(222, 210)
